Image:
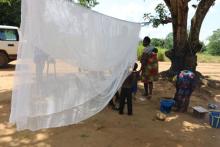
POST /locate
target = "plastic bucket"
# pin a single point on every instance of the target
(214, 119)
(166, 105)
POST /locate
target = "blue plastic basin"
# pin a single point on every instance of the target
(166, 105)
(214, 119)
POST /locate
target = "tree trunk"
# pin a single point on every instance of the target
(179, 13)
(185, 47)
(194, 44)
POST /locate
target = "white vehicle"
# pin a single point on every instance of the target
(9, 38)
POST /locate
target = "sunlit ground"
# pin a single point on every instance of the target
(108, 129)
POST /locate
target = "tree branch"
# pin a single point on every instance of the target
(196, 23)
(167, 20)
(168, 3)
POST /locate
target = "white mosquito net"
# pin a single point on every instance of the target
(71, 62)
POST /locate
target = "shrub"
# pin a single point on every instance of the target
(213, 46)
(160, 55)
(140, 50)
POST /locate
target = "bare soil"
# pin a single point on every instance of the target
(109, 129)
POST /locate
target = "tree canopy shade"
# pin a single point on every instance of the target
(213, 46)
(185, 44)
(10, 10)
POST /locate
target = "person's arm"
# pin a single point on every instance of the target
(193, 83)
(138, 75)
(133, 78)
(143, 61)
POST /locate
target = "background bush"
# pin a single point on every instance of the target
(213, 46)
(160, 54)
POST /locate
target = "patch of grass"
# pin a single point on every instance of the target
(202, 57)
(161, 53)
(140, 50)
(207, 58)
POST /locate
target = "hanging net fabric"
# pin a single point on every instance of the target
(71, 62)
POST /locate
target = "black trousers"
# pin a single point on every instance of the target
(117, 98)
(126, 93)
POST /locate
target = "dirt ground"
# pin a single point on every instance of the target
(108, 129)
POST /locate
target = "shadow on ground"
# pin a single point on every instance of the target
(108, 129)
(9, 67)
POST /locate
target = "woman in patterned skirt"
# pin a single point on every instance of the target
(185, 85)
(149, 68)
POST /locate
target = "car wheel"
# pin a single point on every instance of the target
(3, 59)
